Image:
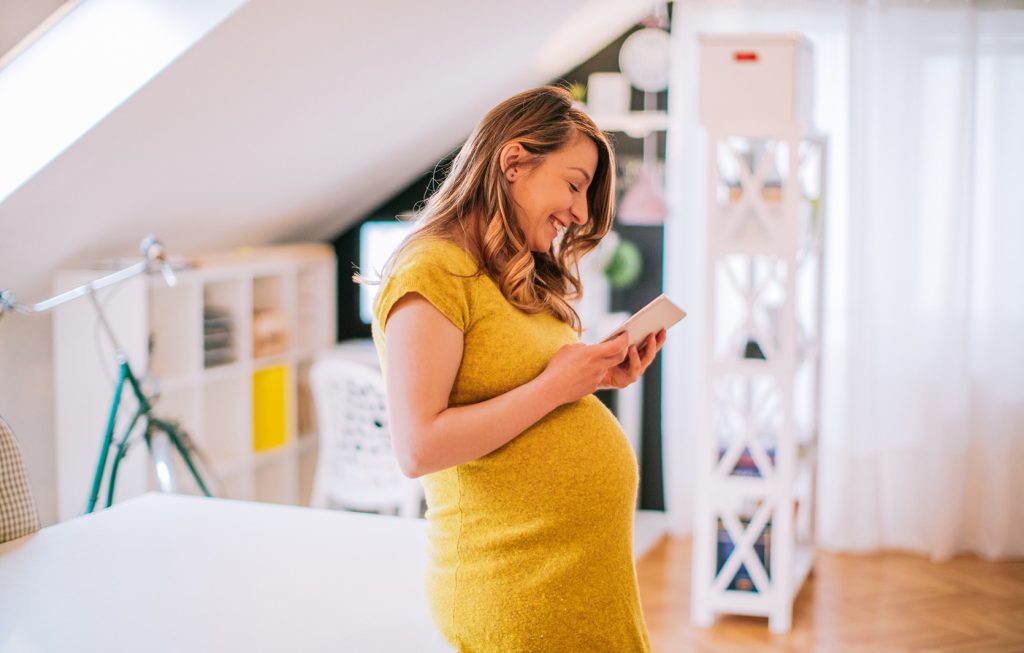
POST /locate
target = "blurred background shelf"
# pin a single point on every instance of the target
(230, 346)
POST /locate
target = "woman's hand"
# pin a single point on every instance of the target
(635, 364)
(576, 370)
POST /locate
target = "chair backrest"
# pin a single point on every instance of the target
(18, 516)
(356, 467)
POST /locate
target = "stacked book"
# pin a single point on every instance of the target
(218, 337)
(742, 582)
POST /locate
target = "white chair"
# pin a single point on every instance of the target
(356, 468)
(18, 516)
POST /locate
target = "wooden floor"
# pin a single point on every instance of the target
(850, 604)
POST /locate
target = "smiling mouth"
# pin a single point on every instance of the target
(556, 225)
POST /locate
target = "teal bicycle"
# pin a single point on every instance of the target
(161, 436)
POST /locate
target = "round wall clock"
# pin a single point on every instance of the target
(644, 59)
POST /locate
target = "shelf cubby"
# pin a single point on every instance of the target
(314, 300)
(226, 423)
(276, 482)
(223, 321)
(272, 322)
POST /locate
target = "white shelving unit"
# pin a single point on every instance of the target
(637, 124)
(757, 447)
(232, 343)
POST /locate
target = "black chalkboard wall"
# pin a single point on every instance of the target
(650, 240)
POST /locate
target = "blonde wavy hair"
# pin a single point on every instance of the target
(475, 197)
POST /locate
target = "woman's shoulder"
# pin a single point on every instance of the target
(439, 270)
(436, 251)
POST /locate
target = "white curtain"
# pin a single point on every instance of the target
(922, 441)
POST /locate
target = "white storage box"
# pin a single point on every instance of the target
(755, 82)
(608, 94)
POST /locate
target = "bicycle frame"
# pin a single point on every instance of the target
(154, 256)
(125, 375)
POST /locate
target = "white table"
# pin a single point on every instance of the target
(176, 573)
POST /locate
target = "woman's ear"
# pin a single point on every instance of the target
(511, 155)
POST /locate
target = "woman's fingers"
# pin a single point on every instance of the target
(652, 346)
(635, 364)
(651, 350)
(614, 349)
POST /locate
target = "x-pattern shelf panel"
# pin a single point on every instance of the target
(754, 534)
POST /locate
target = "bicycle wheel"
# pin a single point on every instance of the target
(161, 453)
(179, 464)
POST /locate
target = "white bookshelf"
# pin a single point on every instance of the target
(225, 390)
(757, 446)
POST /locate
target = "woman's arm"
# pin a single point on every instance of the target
(424, 352)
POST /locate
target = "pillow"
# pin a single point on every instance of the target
(18, 516)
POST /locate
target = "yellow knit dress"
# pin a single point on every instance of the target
(530, 546)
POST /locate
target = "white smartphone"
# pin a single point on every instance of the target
(659, 314)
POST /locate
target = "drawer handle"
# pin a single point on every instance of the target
(744, 56)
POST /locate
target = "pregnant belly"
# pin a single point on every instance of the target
(571, 470)
(551, 512)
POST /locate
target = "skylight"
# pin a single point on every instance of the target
(83, 67)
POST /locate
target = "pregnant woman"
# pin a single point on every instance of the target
(530, 482)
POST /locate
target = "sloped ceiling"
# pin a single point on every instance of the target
(19, 17)
(287, 122)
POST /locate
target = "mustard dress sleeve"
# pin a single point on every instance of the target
(529, 547)
(429, 275)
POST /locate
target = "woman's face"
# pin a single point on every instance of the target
(552, 195)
